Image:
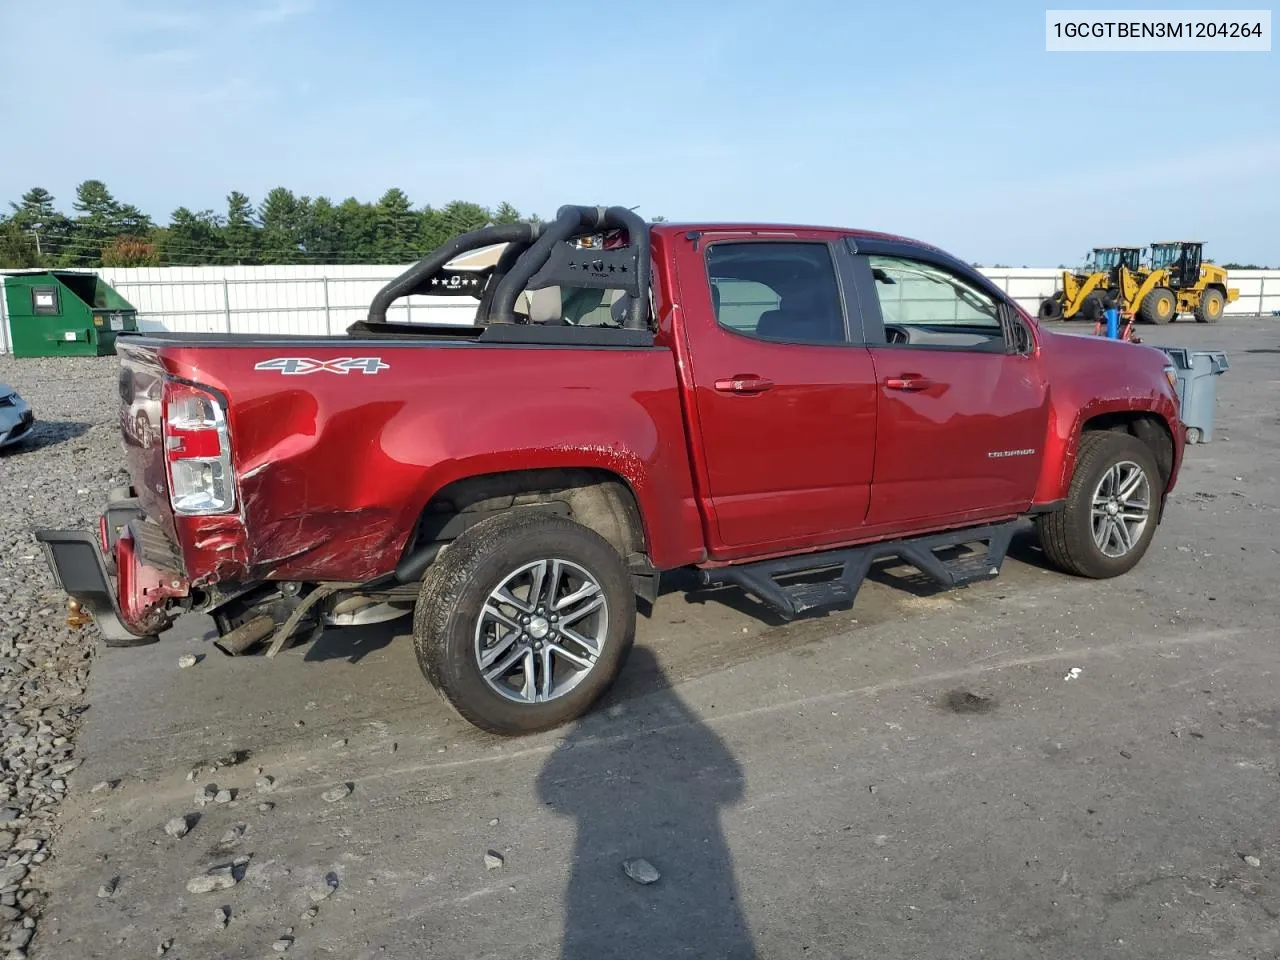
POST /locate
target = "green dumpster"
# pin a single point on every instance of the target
(55, 313)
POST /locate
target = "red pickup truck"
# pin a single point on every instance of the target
(752, 401)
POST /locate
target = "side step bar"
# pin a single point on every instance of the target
(791, 600)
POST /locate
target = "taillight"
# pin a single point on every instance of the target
(198, 451)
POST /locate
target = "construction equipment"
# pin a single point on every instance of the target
(1085, 293)
(1176, 280)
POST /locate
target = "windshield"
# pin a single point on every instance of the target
(1105, 259)
(1163, 254)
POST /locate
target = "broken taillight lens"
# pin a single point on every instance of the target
(197, 450)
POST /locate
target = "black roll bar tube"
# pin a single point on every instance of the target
(571, 220)
(638, 233)
(519, 233)
(568, 221)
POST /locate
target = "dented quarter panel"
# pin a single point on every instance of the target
(333, 470)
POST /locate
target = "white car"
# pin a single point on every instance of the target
(16, 417)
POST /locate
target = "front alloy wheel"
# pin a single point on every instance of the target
(1121, 508)
(1106, 524)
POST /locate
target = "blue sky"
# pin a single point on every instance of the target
(945, 121)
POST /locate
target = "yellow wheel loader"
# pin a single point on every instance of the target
(1085, 292)
(1177, 280)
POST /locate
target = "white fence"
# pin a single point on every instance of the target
(318, 300)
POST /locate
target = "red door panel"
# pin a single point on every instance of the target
(959, 433)
(793, 462)
(782, 433)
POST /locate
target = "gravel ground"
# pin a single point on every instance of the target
(59, 477)
(1033, 767)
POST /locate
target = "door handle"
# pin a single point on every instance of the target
(744, 383)
(910, 382)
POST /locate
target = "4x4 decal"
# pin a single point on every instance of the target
(298, 366)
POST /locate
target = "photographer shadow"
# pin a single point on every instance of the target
(656, 795)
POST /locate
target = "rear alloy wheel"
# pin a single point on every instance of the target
(1211, 305)
(524, 621)
(541, 632)
(1110, 515)
(1158, 306)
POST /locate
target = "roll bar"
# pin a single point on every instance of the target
(411, 279)
(540, 256)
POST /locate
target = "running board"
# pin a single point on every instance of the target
(791, 600)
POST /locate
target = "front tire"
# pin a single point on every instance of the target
(1211, 306)
(524, 622)
(1110, 515)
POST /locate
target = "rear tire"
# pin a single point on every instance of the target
(485, 600)
(1084, 538)
(1212, 303)
(1158, 306)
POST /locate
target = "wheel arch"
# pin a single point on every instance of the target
(600, 499)
(1149, 426)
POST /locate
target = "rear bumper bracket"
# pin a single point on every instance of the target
(75, 559)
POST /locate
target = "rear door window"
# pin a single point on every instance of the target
(780, 291)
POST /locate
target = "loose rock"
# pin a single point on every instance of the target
(177, 827)
(221, 917)
(326, 890)
(232, 836)
(265, 783)
(188, 660)
(101, 786)
(266, 806)
(219, 878)
(108, 889)
(641, 871)
(283, 944)
(1252, 861)
(340, 792)
(224, 796)
(493, 860)
(310, 913)
(164, 946)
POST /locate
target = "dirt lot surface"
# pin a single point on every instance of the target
(921, 776)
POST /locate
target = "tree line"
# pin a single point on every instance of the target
(284, 228)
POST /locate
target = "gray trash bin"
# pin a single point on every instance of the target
(1198, 371)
